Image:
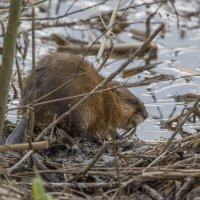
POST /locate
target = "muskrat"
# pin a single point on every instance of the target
(103, 112)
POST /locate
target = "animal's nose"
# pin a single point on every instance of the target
(145, 114)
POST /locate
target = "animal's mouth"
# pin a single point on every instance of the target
(130, 126)
(138, 119)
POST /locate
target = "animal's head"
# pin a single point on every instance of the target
(132, 110)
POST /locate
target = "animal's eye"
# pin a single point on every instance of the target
(132, 102)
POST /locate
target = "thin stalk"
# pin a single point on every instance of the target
(8, 57)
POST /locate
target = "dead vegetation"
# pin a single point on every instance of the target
(75, 168)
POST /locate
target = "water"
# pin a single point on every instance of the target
(178, 51)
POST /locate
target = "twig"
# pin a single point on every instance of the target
(120, 48)
(52, 129)
(80, 185)
(175, 10)
(148, 24)
(24, 146)
(11, 169)
(32, 114)
(112, 19)
(2, 29)
(67, 13)
(164, 173)
(181, 124)
(137, 70)
(184, 189)
(118, 192)
(15, 95)
(162, 156)
(38, 161)
(19, 76)
(92, 162)
(107, 56)
(152, 193)
(63, 99)
(156, 161)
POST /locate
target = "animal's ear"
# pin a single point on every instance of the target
(133, 102)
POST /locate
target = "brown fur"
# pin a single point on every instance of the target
(101, 114)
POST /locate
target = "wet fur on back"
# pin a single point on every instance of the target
(101, 114)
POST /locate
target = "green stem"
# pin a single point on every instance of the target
(8, 57)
